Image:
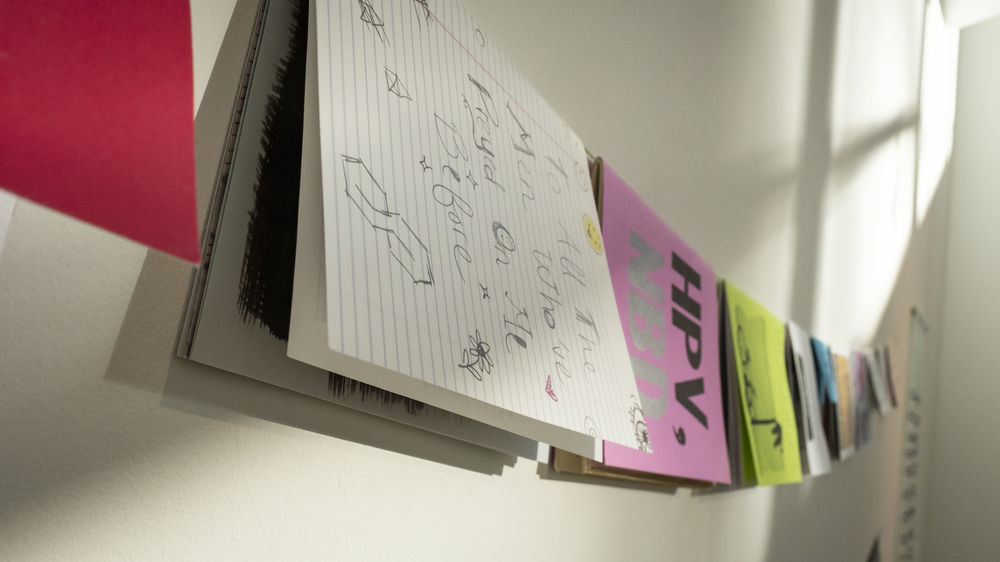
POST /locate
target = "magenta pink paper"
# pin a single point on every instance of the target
(667, 303)
(97, 115)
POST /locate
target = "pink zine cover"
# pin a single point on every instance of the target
(97, 115)
(667, 303)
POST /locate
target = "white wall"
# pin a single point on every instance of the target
(961, 13)
(779, 138)
(965, 498)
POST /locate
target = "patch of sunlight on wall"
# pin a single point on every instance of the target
(868, 198)
(767, 262)
(938, 85)
(876, 71)
(864, 237)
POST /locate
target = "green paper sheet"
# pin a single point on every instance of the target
(768, 413)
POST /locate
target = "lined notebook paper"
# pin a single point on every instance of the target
(462, 248)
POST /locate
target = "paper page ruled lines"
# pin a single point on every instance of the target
(456, 206)
(481, 40)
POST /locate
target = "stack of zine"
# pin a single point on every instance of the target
(729, 396)
(401, 224)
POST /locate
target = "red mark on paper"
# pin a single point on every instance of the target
(548, 389)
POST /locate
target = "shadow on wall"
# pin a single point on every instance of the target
(814, 159)
(868, 508)
(144, 355)
(144, 358)
(863, 510)
(546, 472)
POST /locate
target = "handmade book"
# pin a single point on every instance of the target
(239, 306)
(878, 382)
(846, 408)
(828, 395)
(812, 439)
(862, 399)
(731, 407)
(884, 357)
(769, 434)
(577, 465)
(668, 309)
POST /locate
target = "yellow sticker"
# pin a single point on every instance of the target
(593, 233)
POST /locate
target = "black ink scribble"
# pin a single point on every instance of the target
(503, 243)
(586, 318)
(447, 168)
(549, 309)
(343, 387)
(424, 164)
(396, 85)
(775, 429)
(525, 145)
(486, 291)
(590, 427)
(556, 181)
(517, 328)
(374, 21)
(680, 436)
(588, 352)
(472, 180)
(480, 38)
(476, 359)
(370, 199)
(267, 271)
(423, 10)
(450, 138)
(548, 388)
(568, 248)
(550, 291)
(455, 207)
(639, 428)
(484, 119)
(742, 349)
(759, 402)
(503, 237)
(561, 352)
